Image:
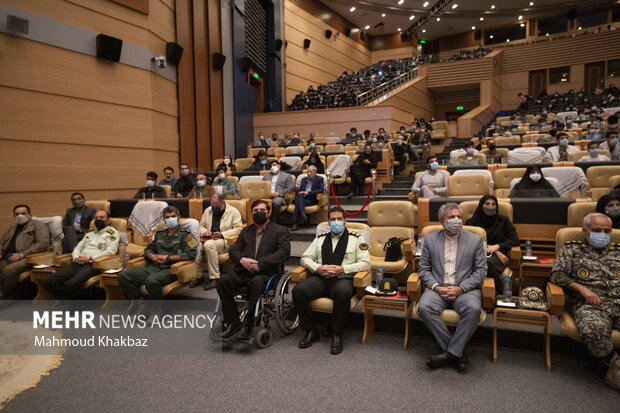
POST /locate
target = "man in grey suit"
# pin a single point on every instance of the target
(452, 265)
(281, 183)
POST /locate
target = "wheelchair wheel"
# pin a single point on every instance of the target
(262, 337)
(286, 316)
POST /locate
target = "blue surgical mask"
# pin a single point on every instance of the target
(374, 139)
(312, 145)
(434, 165)
(470, 151)
(263, 161)
(200, 183)
(171, 222)
(150, 183)
(594, 152)
(614, 141)
(597, 239)
(336, 226)
(564, 142)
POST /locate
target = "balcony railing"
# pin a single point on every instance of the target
(382, 90)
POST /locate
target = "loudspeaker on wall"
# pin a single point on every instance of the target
(347, 32)
(328, 34)
(173, 53)
(218, 61)
(278, 44)
(109, 47)
(306, 43)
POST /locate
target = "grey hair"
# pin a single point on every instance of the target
(311, 166)
(588, 218)
(219, 196)
(450, 205)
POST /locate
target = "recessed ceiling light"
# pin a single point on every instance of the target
(438, 19)
(520, 17)
(425, 4)
(423, 30)
(579, 28)
(531, 3)
(522, 24)
(547, 34)
(507, 40)
(352, 9)
(400, 2)
(399, 29)
(382, 14)
(482, 19)
(454, 6)
(411, 17)
(366, 27)
(491, 36)
(473, 27)
(355, 30)
(492, 6)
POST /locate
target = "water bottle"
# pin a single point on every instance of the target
(528, 247)
(126, 259)
(379, 277)
(420, 244)
(58, 251)
(507, 288)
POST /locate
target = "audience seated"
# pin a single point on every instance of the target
(262, 141)
(588, 272)
(219, 222)
(533, 185)
(314, 160)
(592, 133)
(378, 142)
(310, 187)
(202, 189)
(27, 236)
(561, 152)
(224, 185)
(449, 285)
(353, 136)
(420, 139)
(281, 184)
(360, 169)
(333, 258)
(186, 181)
(469, 54)
(433, 182)
(610, 205)
(260, 162)
(611, 144)
(169, 179)
(150, 191)
(400, 150)
(76, 222)
(594, 155)
(260, 251)
(501, 237)
(228, 164)
(66, 283)
(471, 158)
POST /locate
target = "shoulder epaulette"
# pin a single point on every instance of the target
(356, 234)
(613, 246)
(573, 242)
(110, 231)
(323, 234)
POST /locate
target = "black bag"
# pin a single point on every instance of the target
(392, 249)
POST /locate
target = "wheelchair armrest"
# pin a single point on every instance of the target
(514, 257)
(139, 262)
(409, 249)
(488, 293)
(63, 260)
(40, 258)
(184, 270)
(111, 262)
(299, 274)
(362, 279)
(555, 299)
(414, 287)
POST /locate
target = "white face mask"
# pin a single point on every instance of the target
(535, 177)
(613, 211)
(274, 169)
(21, 219)
(222, 177)
(454, 225)
(226, 161)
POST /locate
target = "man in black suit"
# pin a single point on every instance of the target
(259, 252)
(76, 222)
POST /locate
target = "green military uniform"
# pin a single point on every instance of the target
(327, 249)
(156, 276)
(598, 270)
(473, 161)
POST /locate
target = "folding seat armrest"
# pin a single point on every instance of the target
(555, 299)
(40, 258)
(362, 279)
(515, 257)
(413, 198)
(322, 199)
(111, 262)
(299, 274)
(289, 197)
(139, 262)
(184, 270)
(231, 240)
(488, 293)
(414, 287)
(409, 249)
(63, 260)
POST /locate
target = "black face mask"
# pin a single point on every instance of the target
(492, 147)
(259, 217)
(99, 224)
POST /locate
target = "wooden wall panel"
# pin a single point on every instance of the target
(201, 84)
(396, 53)
(390, 41)
(414, 99)
(214, 26)
(459, 72)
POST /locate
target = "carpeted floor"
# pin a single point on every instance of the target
(377, 376)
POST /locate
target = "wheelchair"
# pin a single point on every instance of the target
(276, 303)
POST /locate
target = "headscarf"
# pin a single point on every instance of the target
(602, 203)
(526, 188)
(320, 168)
(491, 224)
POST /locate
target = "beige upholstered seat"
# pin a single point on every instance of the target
(252, 152)
(508, 140)
(99, 205)
(334, 148)
(598, 176)
(474, 185)
(168, 190)
(389, 219)
(502, 180)
(244, 163)
(577, 211)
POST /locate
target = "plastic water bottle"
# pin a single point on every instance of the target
(420, 244)
(528, 247)
(507, 288)
(58, 251)
(379, 277)
(126, 259)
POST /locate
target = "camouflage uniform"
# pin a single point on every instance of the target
(598, 270)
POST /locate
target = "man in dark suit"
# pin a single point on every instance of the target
(260, 252)
(76, 222)
(151, 190)
(310, 187)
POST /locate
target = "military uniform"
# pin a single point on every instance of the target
(331, 249)
(598, 270)
(67, 282)
(156, 276)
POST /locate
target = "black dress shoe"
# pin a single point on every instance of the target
(209, 285)
(244, 333)
(294, 228)
(440, 360)
(231, 329)
(461, 363)
(336, 347)
(351, 195)
(310, 337)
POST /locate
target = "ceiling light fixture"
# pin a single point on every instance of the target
(473, 27)
(507, 40)
(482, 19)
(399, 29)
(400, 2)
(411, 17)
(382, 14)
(579, 28)
(423, 30)
(492, 6)
(366, 27)
(531, 3)
(522, 24)
(425, 4)
(454, 6)
(520, 17)
(491, 36)
(352, 9)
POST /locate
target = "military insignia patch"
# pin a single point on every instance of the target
(100, 245)
(110, 231)
(112, 238)
(191, 241)
(363, 246)
(583, 273)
